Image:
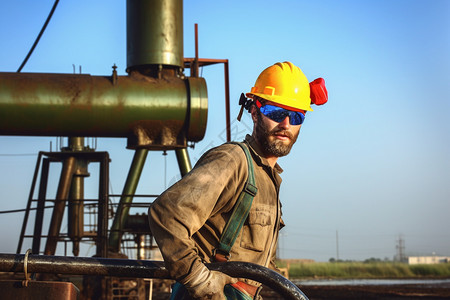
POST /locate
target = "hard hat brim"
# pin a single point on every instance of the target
(283, 102)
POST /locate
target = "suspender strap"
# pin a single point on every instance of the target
(239, 213)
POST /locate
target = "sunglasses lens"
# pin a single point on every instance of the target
(296, 118)
(278, 114)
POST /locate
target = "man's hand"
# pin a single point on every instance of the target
(209, 285)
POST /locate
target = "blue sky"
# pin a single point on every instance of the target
(370, 165)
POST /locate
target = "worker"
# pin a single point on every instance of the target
(188, 220)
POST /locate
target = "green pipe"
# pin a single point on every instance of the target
(198, 109)
(76, 143)
(65, 180)
(129, 190)
(184, 163)
(154, 113)
(75, 220)
(154, 33)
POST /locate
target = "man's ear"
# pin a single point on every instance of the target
(254, 113)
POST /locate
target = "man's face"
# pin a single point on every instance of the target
(275, 138)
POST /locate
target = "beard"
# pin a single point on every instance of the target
(269, 143)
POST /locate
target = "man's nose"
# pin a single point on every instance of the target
(285, 123)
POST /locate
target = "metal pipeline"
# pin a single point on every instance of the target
(142, 269)
(153, 113)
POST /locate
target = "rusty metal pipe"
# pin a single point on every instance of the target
(75, 228)
(143, 269)
(184, 163)
(121, 216)
(60, 204)
(154, 33)
(227, 101)
(37, 234)
(153, 113)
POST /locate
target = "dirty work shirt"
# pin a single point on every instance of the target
(187, 220)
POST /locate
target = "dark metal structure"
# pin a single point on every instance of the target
(75, 160)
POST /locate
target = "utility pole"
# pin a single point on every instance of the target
(337, 246)
(400, 249)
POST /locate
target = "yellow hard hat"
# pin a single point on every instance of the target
(284, 84)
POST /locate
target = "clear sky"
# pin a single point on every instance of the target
(370, 166)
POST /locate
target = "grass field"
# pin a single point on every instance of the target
(365, 270)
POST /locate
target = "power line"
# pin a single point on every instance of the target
(38, 37)
(19, 210)
(20, 154)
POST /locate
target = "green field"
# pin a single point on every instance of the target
(365, 270)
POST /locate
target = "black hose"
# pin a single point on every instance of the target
(142, 269)
(38, 37)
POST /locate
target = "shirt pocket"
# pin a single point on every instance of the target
(257, 229)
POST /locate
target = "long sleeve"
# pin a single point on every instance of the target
(207, 192)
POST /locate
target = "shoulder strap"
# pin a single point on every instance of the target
(239, 213)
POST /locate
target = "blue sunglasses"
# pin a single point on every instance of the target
(278, 114)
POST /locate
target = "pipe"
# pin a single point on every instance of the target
(60, 204)
(154, 33)
(184, 163)
(75, 223)
(154, 113)
(227, 101)
(39, 219)
(120, 218)
(143, 269)
(102, 222)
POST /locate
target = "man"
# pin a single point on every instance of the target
(189, 218)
